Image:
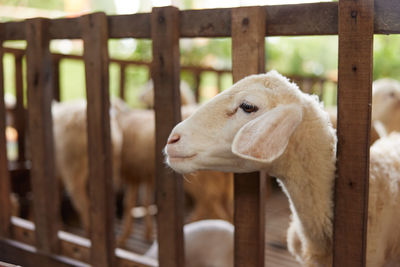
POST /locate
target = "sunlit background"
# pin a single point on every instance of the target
(305, 56)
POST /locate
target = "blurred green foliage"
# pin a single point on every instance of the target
(306, 56)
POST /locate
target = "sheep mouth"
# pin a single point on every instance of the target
(180, 157)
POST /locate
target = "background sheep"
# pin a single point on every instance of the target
(268, 124)
(70, 142)
(207, 243)
(133, 160)
(146, 96)
(385, 114)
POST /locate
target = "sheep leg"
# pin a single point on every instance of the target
(148, 216)
(80, 200)
(129, 203)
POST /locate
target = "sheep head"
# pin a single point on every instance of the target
(243, 129)
(386, 103)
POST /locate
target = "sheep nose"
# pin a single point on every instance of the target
(173, 139)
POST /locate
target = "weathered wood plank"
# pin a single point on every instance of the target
(27, 255)
(248, 57)
(122, 82)
(20, 112)
(94, 28)
(72, 246)
(56, 80)
(355, 80)
(169, 185)
(5, 188)
(40, 95)
(283, 20)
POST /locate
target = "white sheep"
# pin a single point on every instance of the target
(70, 142)
(264, 122)
(385, 113)
(386, 103)
(208, 243)
(146, 95)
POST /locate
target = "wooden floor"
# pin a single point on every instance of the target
(277, 222)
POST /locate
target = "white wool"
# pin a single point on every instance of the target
(290, 136)
(208, 243)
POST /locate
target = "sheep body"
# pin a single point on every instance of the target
(264, 122)
(70, 142)
(207, 243)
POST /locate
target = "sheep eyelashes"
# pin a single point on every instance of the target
(248, 108)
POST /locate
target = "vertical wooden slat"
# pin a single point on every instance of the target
(197, 76)
(248, 31)
(219, 82)
(165, 72)
(356, 25)
(95, 36)
(5, 210)
(40, 95)
(122, 69)
(56, 80)
(20, 113)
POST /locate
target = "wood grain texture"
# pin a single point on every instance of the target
(169, 185)
(75, 249)
(5, 188)
(26, 255)
(283, 20)
(354, 122)
(94, 27)
(40, 94)
(122, 70)
(248, 57)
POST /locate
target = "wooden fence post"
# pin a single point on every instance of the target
(95, 36)
(20, 114)
(169, 185)
(40, 95)
(356, 28)
(5, 210)
(248, 51)
(56, 79)
(122, 70)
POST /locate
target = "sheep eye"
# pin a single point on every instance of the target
(248, 108)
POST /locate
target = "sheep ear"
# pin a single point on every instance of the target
(265, 138)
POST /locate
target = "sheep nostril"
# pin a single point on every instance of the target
(173, 139)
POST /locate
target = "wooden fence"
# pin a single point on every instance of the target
(43, 244)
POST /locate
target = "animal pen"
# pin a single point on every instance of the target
(43, 244)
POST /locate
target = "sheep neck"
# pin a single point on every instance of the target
(307, 171)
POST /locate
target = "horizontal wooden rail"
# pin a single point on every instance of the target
(20, 52)
(282, 20)
(74, 250)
